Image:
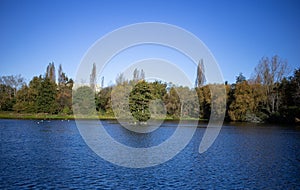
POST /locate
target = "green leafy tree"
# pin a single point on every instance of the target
(158, 91)
(103, 101)
(295, 83)
(39, 97)
(243, 105)
(46, 99)
(290, 97)
(172, 102)
(26, 99)
(84, 101)
(64, 94)
(23, 101)
(139, 99)
(204, 96)
(7, 98)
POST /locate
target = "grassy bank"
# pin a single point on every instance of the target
(44, 116)
(14, 115)
(37, 116)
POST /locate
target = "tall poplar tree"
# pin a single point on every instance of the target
(200, 78)
(93, 78)
(50, 72)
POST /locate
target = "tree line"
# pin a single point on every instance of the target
(268, 95)
(41, 95)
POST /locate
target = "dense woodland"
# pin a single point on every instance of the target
(268, 95)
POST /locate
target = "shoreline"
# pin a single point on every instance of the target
(45, 116)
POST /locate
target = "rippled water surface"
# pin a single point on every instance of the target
(52, 154)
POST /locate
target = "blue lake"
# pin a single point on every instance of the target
(52, 154)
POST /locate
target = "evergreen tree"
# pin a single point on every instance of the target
(139, 99)
(290, 97)
(46, 99)
(26, 100)
(241, 78)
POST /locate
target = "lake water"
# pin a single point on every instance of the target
(52, 154)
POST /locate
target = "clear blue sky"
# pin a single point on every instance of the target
(238, 33)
